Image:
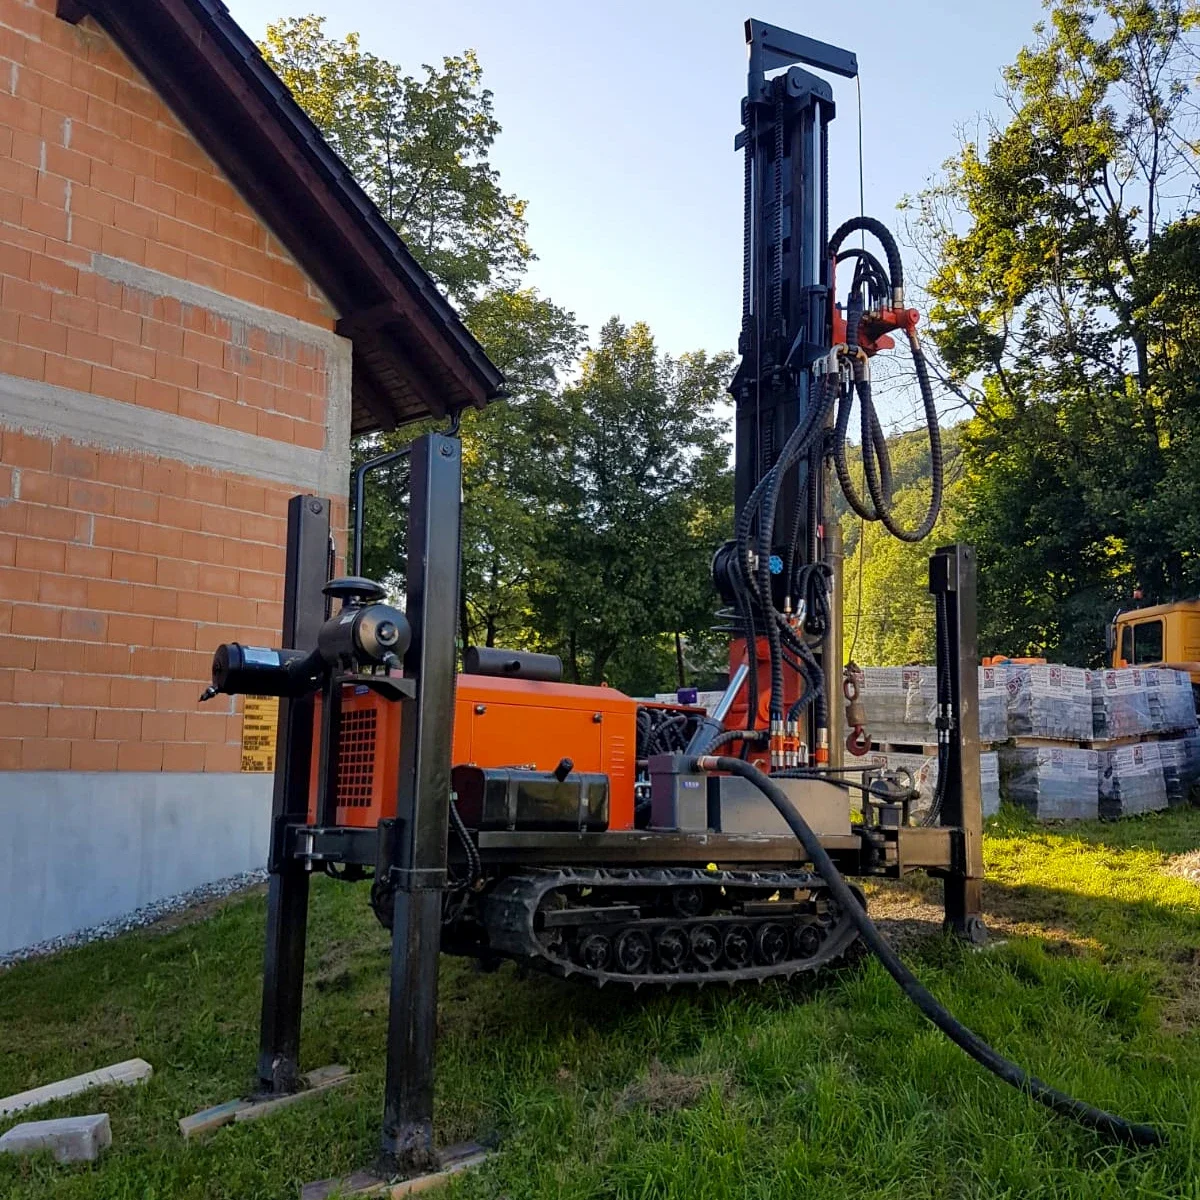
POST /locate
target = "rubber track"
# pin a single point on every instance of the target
(509, 911)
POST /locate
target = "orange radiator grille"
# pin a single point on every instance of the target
(368, 758)
(356, 758)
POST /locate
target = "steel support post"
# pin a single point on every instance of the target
(418, 862)
(287, 898)
(952, 581)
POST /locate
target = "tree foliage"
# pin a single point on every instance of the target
(590, 511)
(1058, 242)
(642, 494)
(888, 615)
(418, 145)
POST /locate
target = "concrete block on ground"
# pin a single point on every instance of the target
(72, 1139)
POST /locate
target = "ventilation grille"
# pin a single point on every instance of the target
(356, 759)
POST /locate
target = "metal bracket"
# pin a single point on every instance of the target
(771, 48)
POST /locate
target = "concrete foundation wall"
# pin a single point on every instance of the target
(81, 848)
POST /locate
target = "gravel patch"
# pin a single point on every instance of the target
(148, 914)
(1186, 866)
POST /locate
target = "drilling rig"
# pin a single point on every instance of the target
(503, 814)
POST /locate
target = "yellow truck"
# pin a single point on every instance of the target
(1161, 635)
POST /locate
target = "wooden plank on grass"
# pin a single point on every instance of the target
(363, 1184)
(208, 1119)
(133, 1070)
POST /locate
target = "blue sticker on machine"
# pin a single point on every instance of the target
(690, 783)
(254, 656)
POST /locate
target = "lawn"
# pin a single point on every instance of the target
(838, 1089)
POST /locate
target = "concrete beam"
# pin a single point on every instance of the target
(72, 1139)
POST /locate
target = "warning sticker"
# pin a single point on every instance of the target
(260, 724)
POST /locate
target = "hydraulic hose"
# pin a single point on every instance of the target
(878, 230)
(1112, 1127)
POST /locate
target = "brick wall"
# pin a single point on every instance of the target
(168, 378)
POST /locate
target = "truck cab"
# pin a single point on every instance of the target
(1163, 634)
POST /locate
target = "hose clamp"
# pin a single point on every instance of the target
(831, 363)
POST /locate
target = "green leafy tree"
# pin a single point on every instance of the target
(642, 494)
(418, 145)
(888, 611)
(1049, 241)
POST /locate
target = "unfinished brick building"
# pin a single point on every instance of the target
(197, 307)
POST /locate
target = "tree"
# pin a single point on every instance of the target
(888, 611)
(1054, 320)
(418, 147)
(642, 495)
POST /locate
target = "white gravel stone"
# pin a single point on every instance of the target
(73, 1139)
(139, 918)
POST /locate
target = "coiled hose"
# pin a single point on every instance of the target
(877, 471)
(1112, 1127)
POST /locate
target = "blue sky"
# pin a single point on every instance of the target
(619, 120)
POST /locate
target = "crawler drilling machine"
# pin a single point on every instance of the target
(503, 814)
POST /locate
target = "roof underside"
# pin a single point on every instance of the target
(413, 357)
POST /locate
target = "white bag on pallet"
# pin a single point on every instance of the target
(993, 704)
(1131, 780)
(1049, 701)
(1051, 782)
(989, 781)
(1120, 703)
(1170, 701)
(901, 704)
(1174, 758)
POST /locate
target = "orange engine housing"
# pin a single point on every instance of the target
(497, 723)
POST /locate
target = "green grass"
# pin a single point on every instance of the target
(839, 1090)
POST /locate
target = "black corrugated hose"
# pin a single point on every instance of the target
(877, 472)
(1112, 1127)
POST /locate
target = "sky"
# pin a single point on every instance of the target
(618, 122)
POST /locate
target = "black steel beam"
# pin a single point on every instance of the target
(417, 870)
(952, 574)
(287, 896)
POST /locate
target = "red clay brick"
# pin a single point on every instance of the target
(134, 568)
(163, 727)
(106, 595)
(93, 756)
(177, 635)
(117, 385)
(35, 620)
(26, 721)
(37, 555)
(151, 662)
(222, 758)
(152, 393)
(62, 590)
(195, 606)
(72, 723)
(130, 630)
(133, 693)
(89, 347)
(198, 407)
(23, 361)
(139, 756)
(68, 373)
(10, 754)
(183, 756)
(89, 496)
(25, 298)
(17, 652)
(100, 659)
(137, 361)
(80, 462)
(88, 562)
(84, 625)
(39, 687)
(118, 535)
(39, 334)
(45, 754)
(39, 488)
